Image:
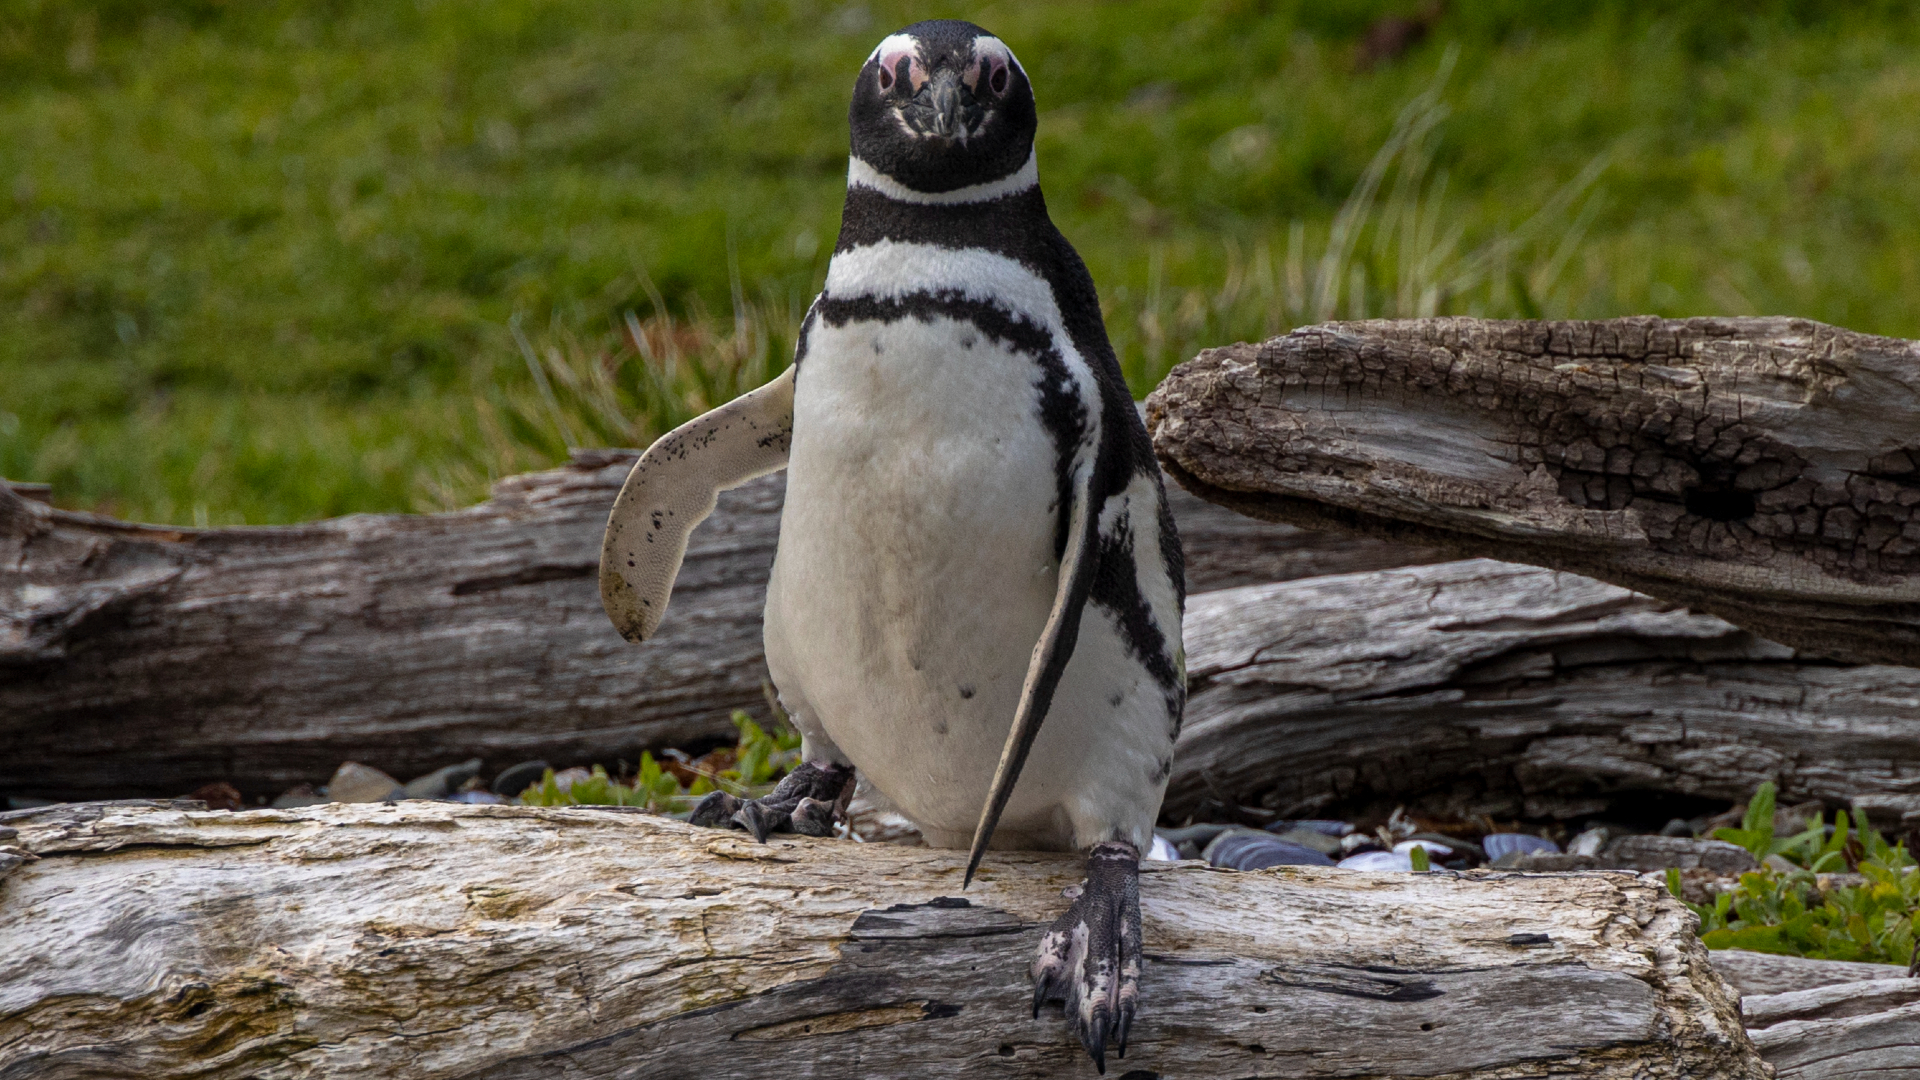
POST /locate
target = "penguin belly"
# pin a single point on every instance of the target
(915, 571)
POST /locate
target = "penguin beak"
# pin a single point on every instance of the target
(945, 87)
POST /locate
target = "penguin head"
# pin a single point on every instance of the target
(942, 105)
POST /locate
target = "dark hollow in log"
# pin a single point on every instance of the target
(144, 660)
(1493, 688)
(1765, 470)
(437, 941)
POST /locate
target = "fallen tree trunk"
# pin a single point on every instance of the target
(147, 660)
(431, 940)
(1765, 470)
(1480, 687)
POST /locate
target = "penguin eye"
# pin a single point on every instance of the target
(998, 78)
(890, 70)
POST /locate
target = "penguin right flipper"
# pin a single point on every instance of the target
(1050, 656)
(674, 486)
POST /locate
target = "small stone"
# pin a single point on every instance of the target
(440, 783)
(1434, 848)
(1311, 838)
(1249, 850)
(566, 778)
(1378, 860)
(218, 795)
(1503, 848)
(1588, 843)
(356, 783)
(477, 798)
(517, 778)
(296, 797)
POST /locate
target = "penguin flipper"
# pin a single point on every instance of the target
(674, 486)
(1050, 656)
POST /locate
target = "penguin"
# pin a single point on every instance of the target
(976, 596)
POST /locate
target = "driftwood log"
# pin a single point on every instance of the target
(1481, 687)
(144, 660)
(435, 940)
(1827, 1019)
(1764, 470)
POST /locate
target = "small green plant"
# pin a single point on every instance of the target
(1791, 911)
(760, 759)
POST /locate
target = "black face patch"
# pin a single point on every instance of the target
(952, 130)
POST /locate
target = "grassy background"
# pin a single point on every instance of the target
(259, 262)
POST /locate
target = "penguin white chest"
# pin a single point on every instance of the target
(916, 565)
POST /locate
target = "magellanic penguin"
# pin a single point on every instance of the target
(975, 539)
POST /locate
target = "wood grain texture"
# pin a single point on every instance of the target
(1850, 1031)
(435, 940)
(1764, 470)
(149, 660)
(1485, 687)
(1756, 973)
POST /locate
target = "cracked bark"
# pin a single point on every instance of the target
(1764, 470)
(1481, 687)
(440, 941)
(142, 660)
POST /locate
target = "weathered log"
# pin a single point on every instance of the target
(434, 940)
(1754, 974)
(149, 660)
(1858, 1029)
(1764, 470)
(1826, 1019)
(1480, 687)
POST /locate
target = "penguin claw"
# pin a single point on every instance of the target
(808, 801)
(1091, 955)
(715, 811)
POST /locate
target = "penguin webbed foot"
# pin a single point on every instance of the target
(809, 800)
(1091, 955)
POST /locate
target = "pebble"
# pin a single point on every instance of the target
(357, 783)
(1434, 849)
(517, 778)
(1324, 828)
(296, 797)
(1378, 860)
(1588, 843)
(440, 783)
(218, 795)
(1162, 851)
(1248, 850)
(1500, 845)
(566, 778)
(1322, 842)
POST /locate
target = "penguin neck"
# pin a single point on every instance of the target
(862, 175)
(1007, 215)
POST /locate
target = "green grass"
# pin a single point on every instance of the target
(258, 261)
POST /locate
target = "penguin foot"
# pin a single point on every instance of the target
(808, 801)
(1091, 955)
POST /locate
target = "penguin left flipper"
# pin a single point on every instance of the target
(674, 486)
(1091, 955)
(809, 800)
